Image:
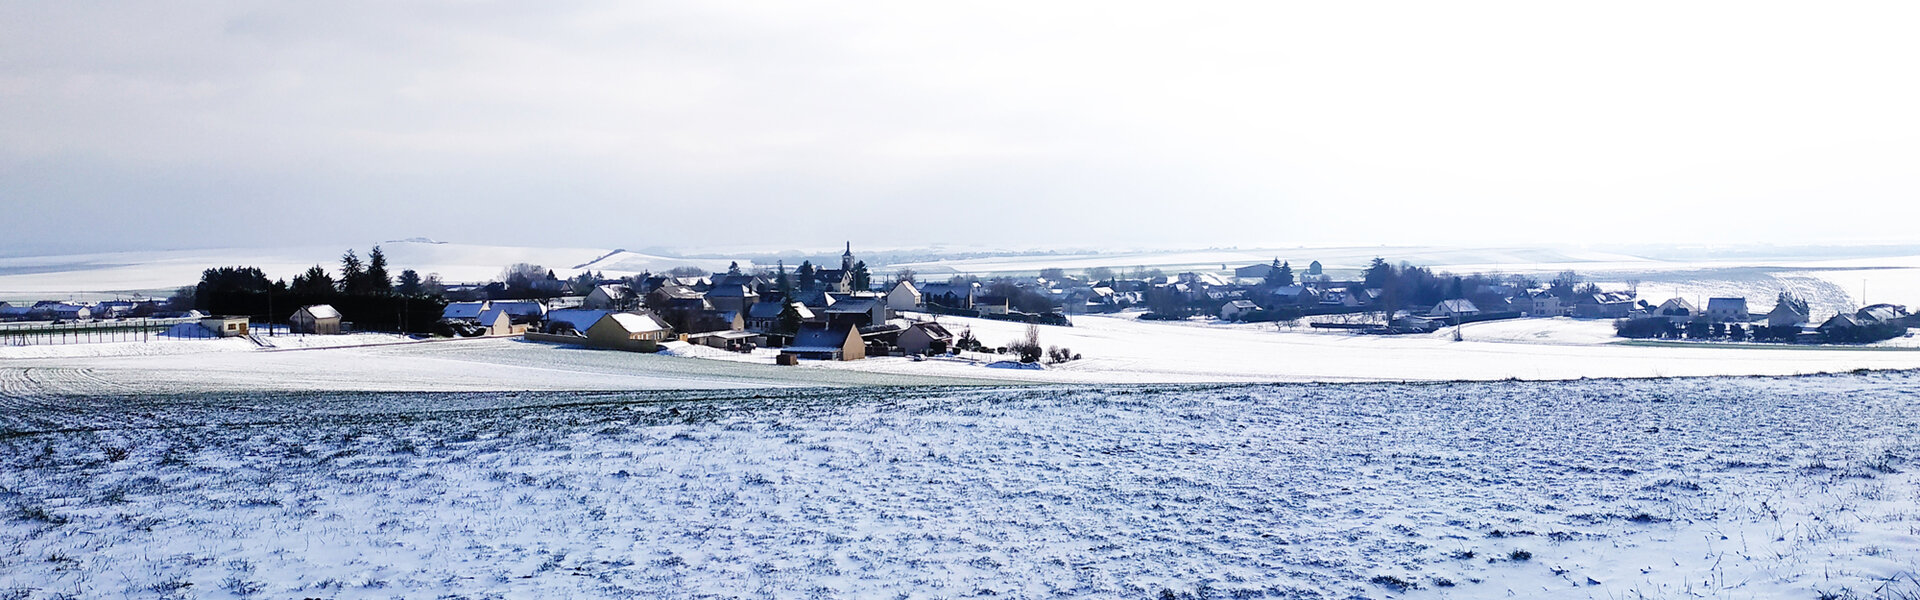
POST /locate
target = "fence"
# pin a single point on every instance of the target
(94, 332)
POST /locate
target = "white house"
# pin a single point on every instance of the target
(1233, 311)
(1728, 310)
(1457, 307)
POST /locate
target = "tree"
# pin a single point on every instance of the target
(784, 284)
(583, 283)
(1053, 274)
(860, 280)
(314, 282)
(1099, 274)
(432, 286)
(228, 280)
(409, 283)
(353, 274)
(733, 269)
(182, 299)
(1283, 275)
(789, 321)
(807, 276)
(377, 280)
(1029, 347)
(904, 274)
(1563, 284)
(1586, 289)
(686, 271)
(1379, 274)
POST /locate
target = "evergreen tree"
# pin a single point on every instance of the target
(377, 280)
(860, 280)
(784, 284)
(409, 283)
(314, 282)
(1379, 274)
(807, 276)
(1795, 303)
(789, 321)
(733, 269)
(353, 275)
(1283, 275)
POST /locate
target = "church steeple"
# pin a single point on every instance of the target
(846, 260)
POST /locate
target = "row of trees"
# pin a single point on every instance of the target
(364, 293)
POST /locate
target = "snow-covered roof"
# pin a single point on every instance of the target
(579, 318)
(491, 316)
(522, 308)
(321, 311)
(1726, 304)
(633, 323)
(463, 310)
(1247, 304)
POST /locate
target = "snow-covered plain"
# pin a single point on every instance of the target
(1707, 488)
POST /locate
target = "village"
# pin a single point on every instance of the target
(843, 312)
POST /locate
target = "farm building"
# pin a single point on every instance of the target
(628, 331)
(819, 342)
(317, 318)
(903, 296)
(922, 337)
(573, 320)
(463, 310)
(608, 297)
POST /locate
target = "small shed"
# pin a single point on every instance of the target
(316, 318)
(225, 326)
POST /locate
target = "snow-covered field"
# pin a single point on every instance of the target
(1704, 488)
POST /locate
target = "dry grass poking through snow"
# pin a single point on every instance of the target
(1728, 488)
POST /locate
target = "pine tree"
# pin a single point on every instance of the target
(377, 280)
(861, 280)
(806, 275)
(1283, 275)
(314, 282)
(353, 275)
(789, 321)
(733, 269)
(784, 284)
(409, 283)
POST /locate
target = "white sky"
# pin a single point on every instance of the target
(627, 124)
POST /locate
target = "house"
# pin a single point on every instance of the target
(1295, 295)
(573, 320)
(1457, 307)
(1235, 310)
(10, 312)
(1728, 310)
(1783, 315)
(820, 342)
(664, 295)
(1603, 305)
(463, 311)
(522, 311)
(229, 326)
(921, 337)
(112, 309)
(608, 297)
(498, 322)
(70, 312)
(765, 316)
(1677, 311)
(1538, 304)
(732, 296)
(903, 296)
(991, 305)
(1871, 324)
(949, 295)
(628, 331)
(858, 311)
(316, 318)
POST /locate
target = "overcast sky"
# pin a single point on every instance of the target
(626, 124)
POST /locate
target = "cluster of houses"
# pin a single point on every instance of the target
(1786, 321)
(65, 311)
(822, 317)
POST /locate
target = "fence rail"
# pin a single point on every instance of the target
(93, 332)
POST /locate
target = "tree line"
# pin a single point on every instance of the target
(364, 293)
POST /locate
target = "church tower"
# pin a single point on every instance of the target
(846, 260)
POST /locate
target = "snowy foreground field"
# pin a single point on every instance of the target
(1702, 488)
